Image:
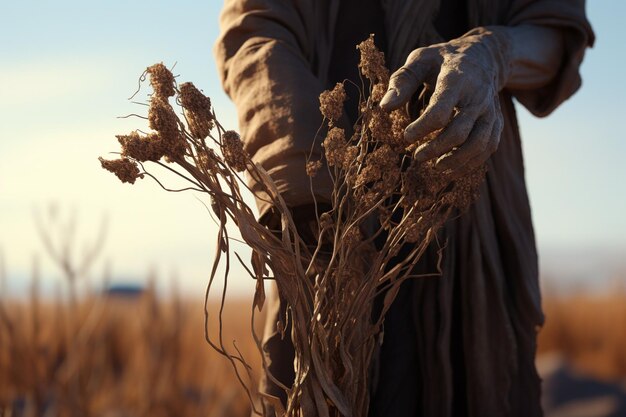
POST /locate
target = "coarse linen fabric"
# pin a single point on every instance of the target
(459, 344)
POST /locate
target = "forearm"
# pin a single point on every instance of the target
(262, 59)
(535, 55)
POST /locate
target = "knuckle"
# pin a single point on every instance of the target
(431, 53)
(446, 48)
(396, 77)
(438, 147)
(415, 55)
(403, 77)
(467, 124)
(438, 114)
(455, 137)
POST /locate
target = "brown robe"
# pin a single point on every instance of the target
(470, 333)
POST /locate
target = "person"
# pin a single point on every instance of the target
(463, 343)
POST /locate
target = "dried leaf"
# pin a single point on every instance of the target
(258, 265)
(275, 402)
(259, 295)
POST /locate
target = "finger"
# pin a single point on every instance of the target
(452, 136)
(470, 148)
(468, 168)
(483, 142)
(436, 116)
(404, 83)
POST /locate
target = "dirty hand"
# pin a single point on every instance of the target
(464, 77)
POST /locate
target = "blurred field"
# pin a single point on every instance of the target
(117, 356)
(589, 331)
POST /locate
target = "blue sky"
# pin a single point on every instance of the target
(67, 67)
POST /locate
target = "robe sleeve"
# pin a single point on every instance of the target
(569, 17)
(265, 56)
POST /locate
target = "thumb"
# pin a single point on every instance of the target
(403, 84)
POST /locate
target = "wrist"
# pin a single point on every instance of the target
(498, 44)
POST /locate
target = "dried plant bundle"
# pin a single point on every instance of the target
(384, 212)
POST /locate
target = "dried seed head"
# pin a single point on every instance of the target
(161, 80)
(335, 147)
(411, 147)
(161, 116)
(174, 147)
(465, 189)
(352, 237)
(378, 91)
(197, 109)
(372, 196)
(125, 169)
(381, 160)
(421, 185)
(141, 148)
(381, 126)
(232, 149)
(351, 155)
(326, 220)
(193, 100)
(208, 161)
(199, 128)
(399, 121)
(331, 102)
(312, 167)
(372, 63)
(391, 177)
(163, 119)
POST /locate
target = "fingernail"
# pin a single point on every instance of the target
(421, 154)
(389, 98)
(409, 136)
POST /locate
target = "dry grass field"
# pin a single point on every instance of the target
(589, 331)
(117, 356)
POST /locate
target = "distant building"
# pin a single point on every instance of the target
(126, 291)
